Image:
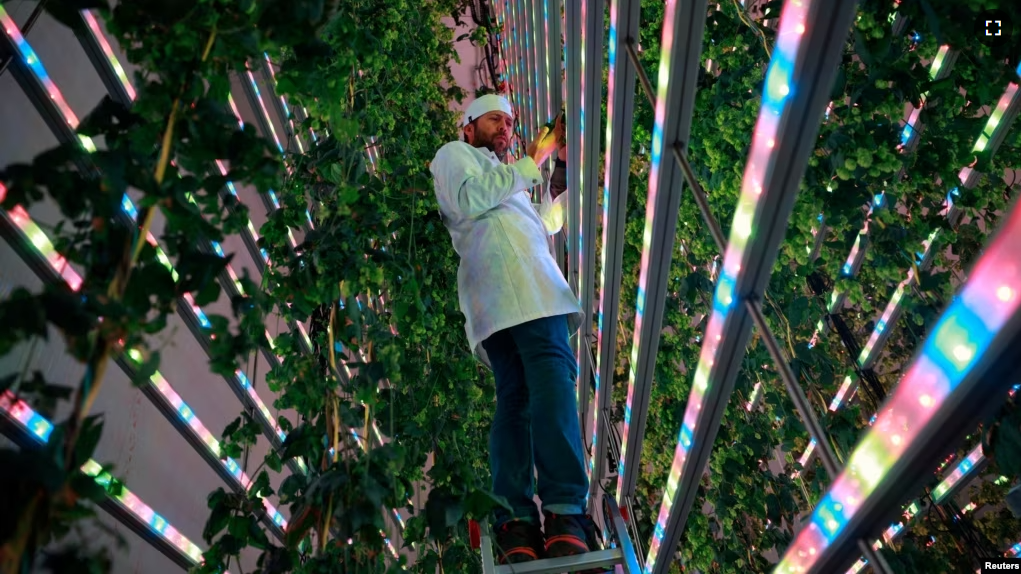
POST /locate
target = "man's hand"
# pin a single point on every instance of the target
(543, 146)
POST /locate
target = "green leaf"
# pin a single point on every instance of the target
(208, 294)
(260, 487)
(232, 428)
(256, 535)
(219, 518)
(87, 488)
(443, 510)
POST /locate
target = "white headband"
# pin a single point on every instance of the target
(485, 104)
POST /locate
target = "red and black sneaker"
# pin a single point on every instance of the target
(518, 541)
(570, 535)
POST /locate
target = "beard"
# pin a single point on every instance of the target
(489, 141)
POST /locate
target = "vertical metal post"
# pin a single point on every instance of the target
(624, 15)
(584, 165)
(795, 92)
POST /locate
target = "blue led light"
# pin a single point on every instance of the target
(158, 523)
(202, 318)
(961, 333)
(905, 135)
(129, 207)
(724, 298)
(846, 270)
(186, 413)
(685, 437)
(829, 517)
(244, 380)
(878, 200)
(40, 427)
(217, 249)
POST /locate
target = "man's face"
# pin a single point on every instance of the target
(491, 131)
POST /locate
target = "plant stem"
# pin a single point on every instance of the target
(11, 553)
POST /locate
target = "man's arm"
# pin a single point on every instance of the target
(552, 212)
(465, 191)
(553, 208)
(558, 181)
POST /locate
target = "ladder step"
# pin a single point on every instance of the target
(599, 558)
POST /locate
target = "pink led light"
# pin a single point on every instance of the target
(97, 33)
(234, 108)
(31, 59)
(759, 160)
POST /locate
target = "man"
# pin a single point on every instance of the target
(520, 313)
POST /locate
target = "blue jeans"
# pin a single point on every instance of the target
(536, 422)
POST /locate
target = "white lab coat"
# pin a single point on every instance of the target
(507, 274)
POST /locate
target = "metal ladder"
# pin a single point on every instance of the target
(620, 555)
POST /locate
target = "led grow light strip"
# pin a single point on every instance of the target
(910, 127)
(524, 14)
(31, 59)
(40, 428)
(844, 393)
(854, 259)
(283, 102)
(111, 57)
(600, 343)
(549, 66)
(42, 243)
(994, 118)
(262, 106)
(891, 313)
(964, 332)
(756, 393)
(970, 463)
(36, 236)
(777, 88)
(129, 88)
(507, 59)
(45, 247)
(583, 232)
(515, 62)
(520, 38)
(889, 317)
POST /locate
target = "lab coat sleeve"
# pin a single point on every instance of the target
(552, 212)
(466, 191)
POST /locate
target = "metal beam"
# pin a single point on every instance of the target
(797, 85)
(101, 54)
(583, 170)
(624, 15)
